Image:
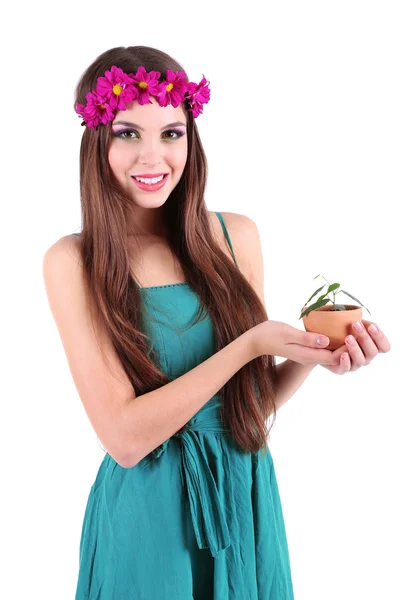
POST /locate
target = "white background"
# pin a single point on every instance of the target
(313, 131)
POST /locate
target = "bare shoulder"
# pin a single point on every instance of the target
(242, 232)
(246, 242)
(67, 247)
(98, 374)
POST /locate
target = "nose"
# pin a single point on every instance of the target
(149, 164)
(150, 154)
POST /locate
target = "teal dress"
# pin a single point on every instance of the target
(196, 519)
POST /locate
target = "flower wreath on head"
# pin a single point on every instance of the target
(117, 89)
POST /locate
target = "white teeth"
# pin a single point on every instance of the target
(149, 181)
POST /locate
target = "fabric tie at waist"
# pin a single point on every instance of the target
(207, 513)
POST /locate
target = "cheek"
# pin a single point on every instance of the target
(112, 158)
(179, 156)
(117, 159)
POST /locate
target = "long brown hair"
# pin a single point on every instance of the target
(248, 397)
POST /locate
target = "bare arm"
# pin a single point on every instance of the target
(129, 427)
(289, 377)
(154, 417)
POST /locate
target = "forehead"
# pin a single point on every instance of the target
(151, 116)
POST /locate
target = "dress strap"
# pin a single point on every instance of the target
(222, 221)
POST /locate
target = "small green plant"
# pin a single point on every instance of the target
(323, 299)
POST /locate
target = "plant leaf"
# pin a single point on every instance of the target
(358, 301)
(315, 293)
(333, 287)
(314, 306)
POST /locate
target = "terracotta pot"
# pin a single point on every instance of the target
(336, 324)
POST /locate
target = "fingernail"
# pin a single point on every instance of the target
(358, 326)
(322, 339)
(373, 329)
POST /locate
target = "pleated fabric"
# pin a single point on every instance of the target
(196, 519)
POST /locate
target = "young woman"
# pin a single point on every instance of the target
(163, 322)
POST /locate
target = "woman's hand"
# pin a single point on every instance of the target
(280, 339)
(367, 345)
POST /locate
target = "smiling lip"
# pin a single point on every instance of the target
(149, 175)
(150, 187)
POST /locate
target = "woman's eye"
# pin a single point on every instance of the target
(125, 134)
(121, 134)
(178, 133)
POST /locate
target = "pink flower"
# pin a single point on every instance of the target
(146, 84)
(96, 111)
(198, 94)
(117, 87)
(172, 91)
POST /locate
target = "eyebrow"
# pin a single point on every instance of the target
(129, 124)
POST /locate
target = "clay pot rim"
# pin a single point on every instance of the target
(329, 308)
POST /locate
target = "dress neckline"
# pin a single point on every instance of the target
(166, 285)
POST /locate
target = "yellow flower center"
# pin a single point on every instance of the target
(169, 87)
(143, 85)
(117, 89)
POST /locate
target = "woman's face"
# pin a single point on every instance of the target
(148, 147)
